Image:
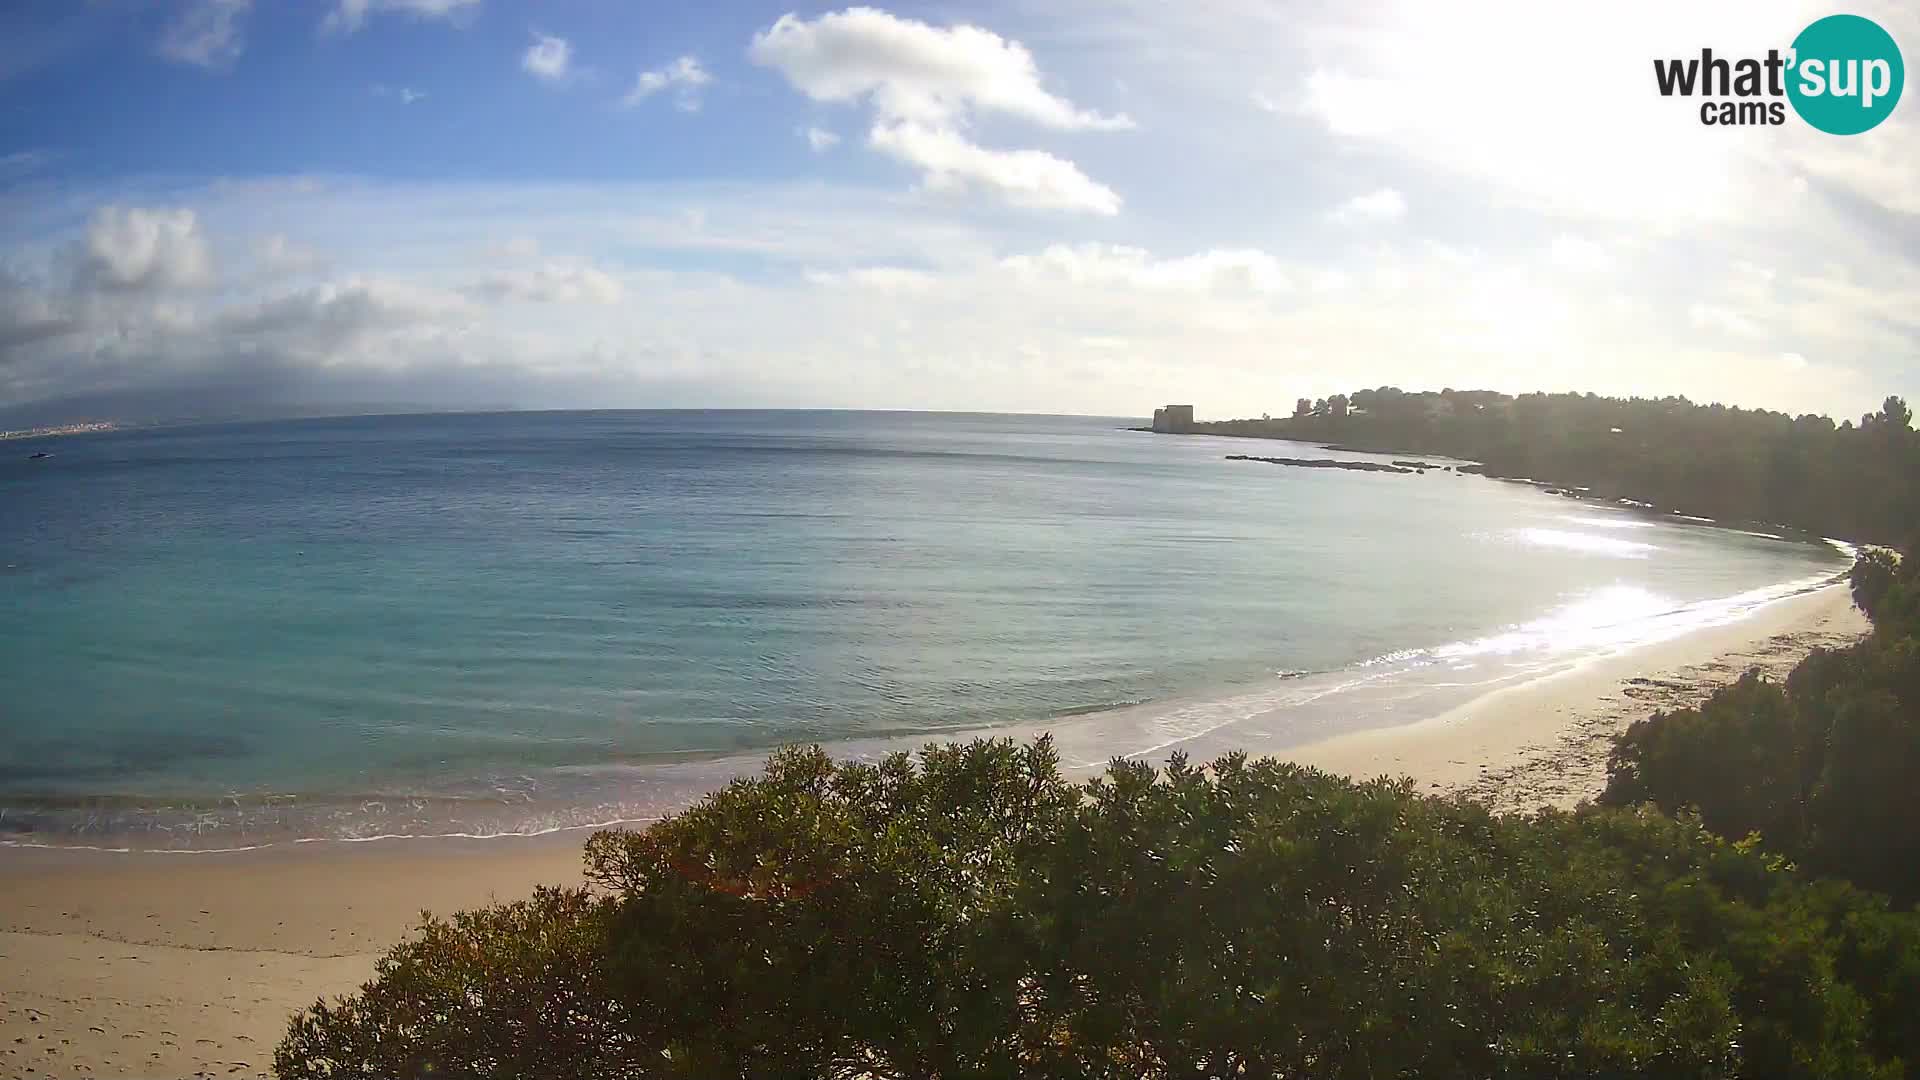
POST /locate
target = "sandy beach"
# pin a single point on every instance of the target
(189, 964)
(1545, 742)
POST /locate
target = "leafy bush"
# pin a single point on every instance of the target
(513, 990)
(972, 914)
(1825, 769)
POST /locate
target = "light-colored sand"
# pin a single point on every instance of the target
(188, 965)
(184, 965)
(1545, 743)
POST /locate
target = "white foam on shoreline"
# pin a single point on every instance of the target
(1289, 710)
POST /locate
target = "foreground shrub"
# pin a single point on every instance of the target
(1825, 769)
(514, 990)
(972, 914)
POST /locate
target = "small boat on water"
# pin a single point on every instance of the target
(38, 456)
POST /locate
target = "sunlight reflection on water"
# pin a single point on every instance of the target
(1585, 542)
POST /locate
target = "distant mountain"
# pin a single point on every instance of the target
(146, 408)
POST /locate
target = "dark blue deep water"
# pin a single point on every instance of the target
(243, 633)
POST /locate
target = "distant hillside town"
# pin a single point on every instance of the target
(60, 429)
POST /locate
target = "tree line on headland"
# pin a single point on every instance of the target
(1739, 903)
(1857, 481)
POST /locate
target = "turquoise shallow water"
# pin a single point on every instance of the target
(249, 633)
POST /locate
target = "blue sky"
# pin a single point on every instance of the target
(223, 205)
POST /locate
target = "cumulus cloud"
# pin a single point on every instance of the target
(924, 85)
(552, 283)
(1383, 205)
(206, 33)
(349, 16)
(684, 77)
(548, 59)
(1028, 178)
(344, 309)
(914, 71)
(134, 249)
(819, 140)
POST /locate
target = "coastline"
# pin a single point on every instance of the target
(176, 964)
(1544, 742)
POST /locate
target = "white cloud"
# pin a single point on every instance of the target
(924, 84)
(206, 33)
(349, 16)
(1576, 253)
(886, 279)
(914, 71)
(684, 76)
(336, 312)
(1353, 106)
(275, 253)
(1723, 319)
(552, 283)
(1383, 205)
(452, 293)
(1229, 269)
(1416, 79)
(548, 59)
(1027, 178)
(130, 248)
(819, 140)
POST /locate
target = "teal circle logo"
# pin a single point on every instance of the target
(1847, 74)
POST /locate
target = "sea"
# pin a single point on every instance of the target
(227, 636)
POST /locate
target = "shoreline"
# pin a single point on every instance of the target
(1275, 715)
(1437, 461)
(1544, 742)
(114, 963)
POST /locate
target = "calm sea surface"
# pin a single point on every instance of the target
(219, 636)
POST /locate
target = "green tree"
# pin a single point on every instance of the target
(973, 914)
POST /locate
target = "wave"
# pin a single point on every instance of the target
(1288, 708)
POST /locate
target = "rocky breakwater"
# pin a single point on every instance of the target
(1327, 463)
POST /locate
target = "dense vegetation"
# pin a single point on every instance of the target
(1855, 481)
(973, 914)
(1825, 769)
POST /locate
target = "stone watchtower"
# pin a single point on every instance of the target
(1173, 419)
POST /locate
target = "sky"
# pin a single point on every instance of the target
(240, 207)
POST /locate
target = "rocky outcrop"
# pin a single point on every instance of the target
(1325, 463)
